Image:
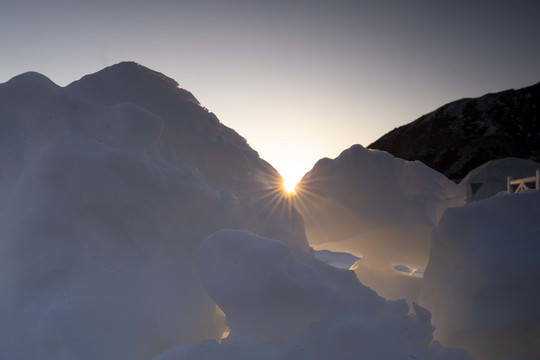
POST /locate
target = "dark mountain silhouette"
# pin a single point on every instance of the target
(464, 134)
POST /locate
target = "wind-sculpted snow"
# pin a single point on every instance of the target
(370, 203)
(482, 283)
(192, 134)
(283, 304)
(100, 217)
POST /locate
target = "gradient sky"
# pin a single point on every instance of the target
(300, 80)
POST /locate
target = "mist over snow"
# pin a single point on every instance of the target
(134, 225)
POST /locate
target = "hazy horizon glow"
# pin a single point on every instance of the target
(299, 80)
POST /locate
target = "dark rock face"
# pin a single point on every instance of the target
(464, 134)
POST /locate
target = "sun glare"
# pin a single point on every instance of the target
(290, 186)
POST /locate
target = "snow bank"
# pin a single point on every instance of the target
(482, 282)
(102, 206)
(282, 304)
(371, 203)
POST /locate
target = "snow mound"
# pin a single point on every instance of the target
(192, 134)
(102, 206)
(482, 282)
(281, 304)
(371, 203)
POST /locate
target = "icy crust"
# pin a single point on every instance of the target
(281, 304)
(384, 208)
(99, 221)
(483, 273)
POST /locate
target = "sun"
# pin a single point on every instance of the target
(290, 185)
(290, 176)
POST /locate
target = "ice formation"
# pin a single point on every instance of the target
(282, 304)
(368, 202)
(482, 282)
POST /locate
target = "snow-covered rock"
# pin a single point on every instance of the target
(482, 283)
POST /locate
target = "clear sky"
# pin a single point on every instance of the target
(300, 80)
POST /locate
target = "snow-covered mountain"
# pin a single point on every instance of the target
(465, 134)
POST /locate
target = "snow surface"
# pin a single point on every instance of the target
(283, 304)
(369, 202)
(482, 282)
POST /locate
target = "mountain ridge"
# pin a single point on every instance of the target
(462, 135)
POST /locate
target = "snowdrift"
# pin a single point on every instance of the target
(379, 207)
(482, 283)
(284, 304)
